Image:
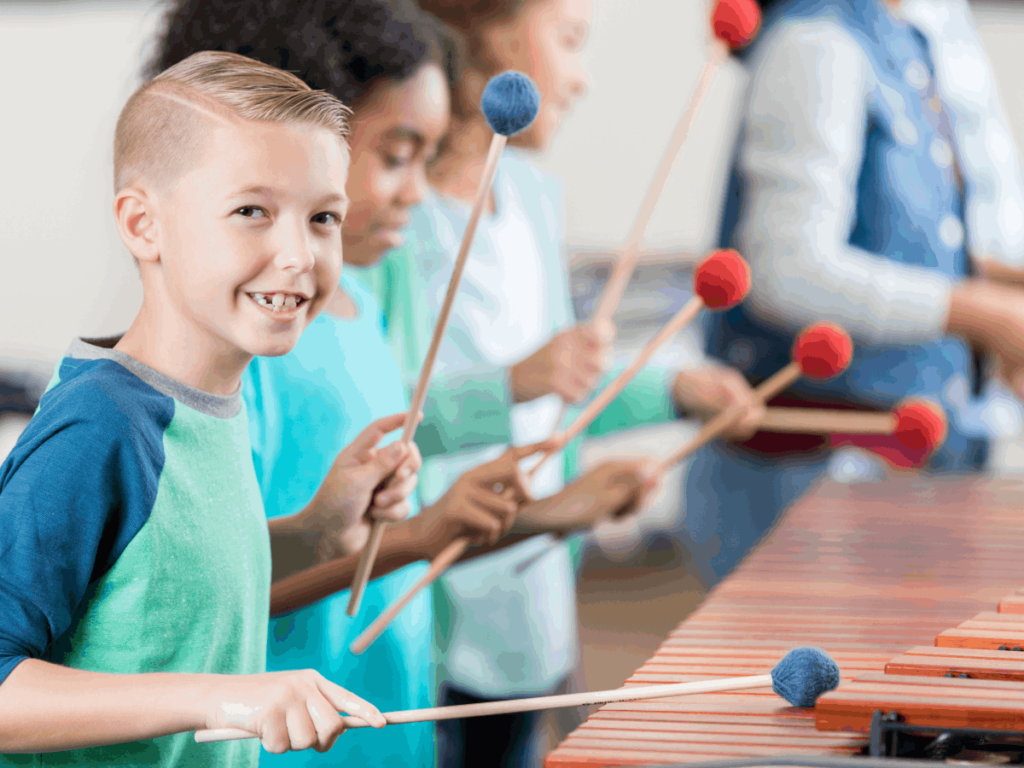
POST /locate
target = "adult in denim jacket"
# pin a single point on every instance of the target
(874, 158)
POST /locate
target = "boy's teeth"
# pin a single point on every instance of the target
(278, 302)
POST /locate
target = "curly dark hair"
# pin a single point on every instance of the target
(340, 46)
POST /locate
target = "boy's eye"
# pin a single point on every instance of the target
(251, 212)
(328, 218)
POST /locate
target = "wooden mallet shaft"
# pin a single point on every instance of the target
(825, 421)
(594, 408)
(765, 391)
(637, 693)
(629, 255)
(369, 553)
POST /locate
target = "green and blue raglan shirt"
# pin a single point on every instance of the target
(133, 540)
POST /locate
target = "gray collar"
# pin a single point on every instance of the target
(220, 406)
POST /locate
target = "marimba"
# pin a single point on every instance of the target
(871, 573)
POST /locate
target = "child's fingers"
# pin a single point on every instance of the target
(384, 464)
(328, 723)
(486, 526)
(274, 733)
(497, 505)
(301, 732)
(349, 703)
(395, 513)
(374, 433)
(396, 492)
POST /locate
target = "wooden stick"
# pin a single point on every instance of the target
(445, 560)
(636, 693)
(622, 271)
(824, 421)
(482, 195)
(594, 408)
(765, 391)
(458, 546)
(438, 565)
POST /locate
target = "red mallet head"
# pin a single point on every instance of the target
(736, 21)
(823, 351)
(920, 425)
(722, 279)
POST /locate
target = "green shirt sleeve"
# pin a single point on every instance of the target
(647, 399)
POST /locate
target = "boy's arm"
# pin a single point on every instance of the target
(77, 488)
(49, 708)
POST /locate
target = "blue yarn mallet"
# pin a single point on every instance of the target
(510, 102)
(800, 678)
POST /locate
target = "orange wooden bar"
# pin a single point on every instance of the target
(871, 573)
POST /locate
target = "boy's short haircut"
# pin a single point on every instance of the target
(162, 128)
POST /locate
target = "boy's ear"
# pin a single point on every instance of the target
(135, 212)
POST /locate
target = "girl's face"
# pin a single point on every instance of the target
(395, 132)
(544, 40)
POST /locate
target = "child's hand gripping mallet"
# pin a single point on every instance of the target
(721, 281)
(734, 23)
(800, 678)
(821, 352)
(510, 103)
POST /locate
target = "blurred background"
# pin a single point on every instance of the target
(69, 66)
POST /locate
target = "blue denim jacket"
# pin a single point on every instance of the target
(880, 190)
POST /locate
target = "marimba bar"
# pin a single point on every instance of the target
(870, 573)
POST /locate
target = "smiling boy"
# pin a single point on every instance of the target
(134, 585)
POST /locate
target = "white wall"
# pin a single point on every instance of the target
(70, 65)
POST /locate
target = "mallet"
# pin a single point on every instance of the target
(917, 424)
(510, 103)
(720, 281)
(820, 352)
(735, 23)
(800, 678)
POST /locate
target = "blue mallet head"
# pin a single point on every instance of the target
(803, 675)
(510, 102)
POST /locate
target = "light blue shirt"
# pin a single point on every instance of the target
(303, 408)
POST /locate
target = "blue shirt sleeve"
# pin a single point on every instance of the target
(78, 486)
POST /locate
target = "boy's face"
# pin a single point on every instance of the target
(250, 239)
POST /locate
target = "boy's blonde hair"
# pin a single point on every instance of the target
(161, 130)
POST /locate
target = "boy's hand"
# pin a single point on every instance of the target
(570, 365)
(482, 504)
(712, 388)
(611, 490)
(360, 470)
(287, 710)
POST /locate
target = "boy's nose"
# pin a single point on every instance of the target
(297, 253)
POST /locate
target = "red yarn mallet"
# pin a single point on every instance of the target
(820, 352)
(918, 429)
(920, 425)
(913, 430)
(735, 23)
(721, 281)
